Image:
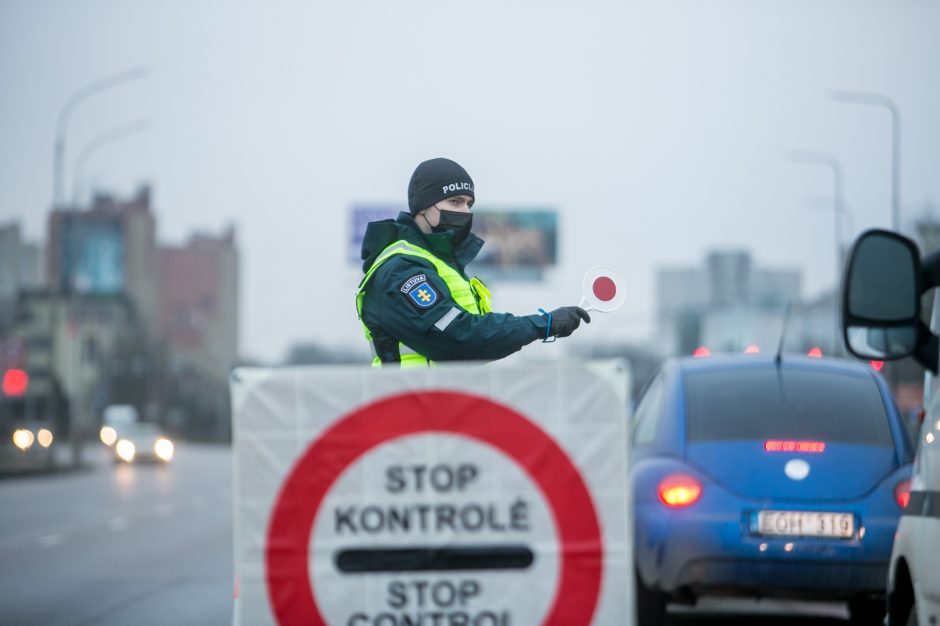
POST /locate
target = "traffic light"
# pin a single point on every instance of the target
(15, 382)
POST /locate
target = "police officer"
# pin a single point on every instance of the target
(417, 304)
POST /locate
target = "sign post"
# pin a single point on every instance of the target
(463, 495)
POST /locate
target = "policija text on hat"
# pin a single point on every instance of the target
(415, 301)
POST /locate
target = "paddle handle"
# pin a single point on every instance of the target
(586, 305)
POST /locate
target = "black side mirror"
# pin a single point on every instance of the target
(881, 293)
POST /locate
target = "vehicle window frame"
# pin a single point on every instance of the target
(907, 430)
(649, 407)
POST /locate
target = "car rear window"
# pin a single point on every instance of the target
(140, 429)
(767, 403)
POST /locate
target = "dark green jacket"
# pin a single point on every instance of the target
(392, 315)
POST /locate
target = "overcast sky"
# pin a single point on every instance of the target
(656, 129)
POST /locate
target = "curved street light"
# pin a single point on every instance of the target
(78, 433)
(108, 137)
(61, 126)
(881, 100)
(808, 157)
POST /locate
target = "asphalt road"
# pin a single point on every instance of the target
(119, 544)
(151, 544)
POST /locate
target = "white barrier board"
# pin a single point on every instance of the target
(461, 495)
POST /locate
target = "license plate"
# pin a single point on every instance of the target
(806, 524)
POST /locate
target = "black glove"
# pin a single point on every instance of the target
(566, 319)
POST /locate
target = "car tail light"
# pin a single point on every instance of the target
(902, 493)
(679, 490)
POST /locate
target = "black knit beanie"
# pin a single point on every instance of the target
(434, 180)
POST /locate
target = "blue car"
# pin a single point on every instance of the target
(762, 478)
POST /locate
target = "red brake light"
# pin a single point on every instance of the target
(15, 382)
(701, 351)
(752, 349)
(902, 493)
(679, 490)
(877, 365)
(773, 445)
(815, 352)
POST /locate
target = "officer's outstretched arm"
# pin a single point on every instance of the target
(462, 335)
(417, 307)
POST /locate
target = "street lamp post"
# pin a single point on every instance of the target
(62, 122)
(838, 208)
(77, 422)
(881, 100)
(108, 137)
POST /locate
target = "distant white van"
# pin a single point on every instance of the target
(881, 319)
(114, 418)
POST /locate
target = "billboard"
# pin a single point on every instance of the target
(520, 242)
(359, 218)
(92, 250)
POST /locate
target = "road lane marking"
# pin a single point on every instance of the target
(50, 541)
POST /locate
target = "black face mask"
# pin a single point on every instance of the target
(456, 221)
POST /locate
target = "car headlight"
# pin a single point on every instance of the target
(23, 438)
(44, 437)
(125, 450)
(163, 448)
(108, 435)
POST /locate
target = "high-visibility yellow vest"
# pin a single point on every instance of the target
(470, 295)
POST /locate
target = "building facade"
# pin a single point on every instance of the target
(198, 301)
(726, 304)
(108, 249)
(20, 262)
(198, 321)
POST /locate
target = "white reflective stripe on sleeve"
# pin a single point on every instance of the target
(448, 317)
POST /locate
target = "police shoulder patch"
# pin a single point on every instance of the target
(413, 282)
(423, 295)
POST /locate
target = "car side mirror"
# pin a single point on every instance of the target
(881, 292)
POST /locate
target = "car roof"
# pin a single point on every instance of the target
(791, 362)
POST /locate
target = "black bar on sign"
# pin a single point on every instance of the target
(417, 559)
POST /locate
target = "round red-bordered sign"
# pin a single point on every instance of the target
(290, 589)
